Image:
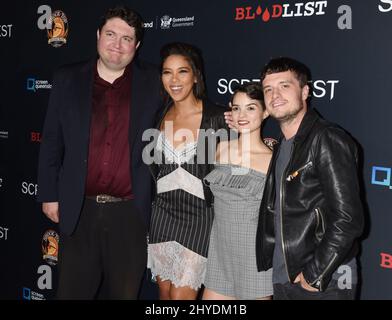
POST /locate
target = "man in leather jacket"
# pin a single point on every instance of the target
(311, 213)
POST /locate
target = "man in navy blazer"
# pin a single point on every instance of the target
(91, 176)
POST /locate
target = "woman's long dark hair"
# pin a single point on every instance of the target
(194, 57)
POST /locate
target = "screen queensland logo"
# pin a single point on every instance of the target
(29, 294)
(267, 12)
(33, 84)
(381, 176)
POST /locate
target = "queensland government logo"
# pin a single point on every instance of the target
(58, 32)
(50, 247)
(168, 22)
(285, 10)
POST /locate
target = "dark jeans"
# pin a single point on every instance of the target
(108, 251)
(294, 291)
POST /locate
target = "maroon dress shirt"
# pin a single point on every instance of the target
(109, 156)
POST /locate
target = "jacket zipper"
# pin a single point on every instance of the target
(281, 222)
(319, 218)
(296, 173)
(318, 280)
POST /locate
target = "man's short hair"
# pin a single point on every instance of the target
(131, 17)
(283, 64)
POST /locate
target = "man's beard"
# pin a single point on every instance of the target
(288, 118)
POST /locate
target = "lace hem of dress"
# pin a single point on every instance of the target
(172, 261)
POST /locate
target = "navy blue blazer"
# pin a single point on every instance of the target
(62, 168)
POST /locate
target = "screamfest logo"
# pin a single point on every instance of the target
(286, 10)
(58, 32)
(50, 247)
(320, 88)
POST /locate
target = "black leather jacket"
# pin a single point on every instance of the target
(321, 214)
(214, 123)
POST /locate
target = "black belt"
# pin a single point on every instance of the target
(103, 198)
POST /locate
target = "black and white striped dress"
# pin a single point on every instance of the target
(181, 221)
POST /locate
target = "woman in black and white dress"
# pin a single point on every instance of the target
(181, 213)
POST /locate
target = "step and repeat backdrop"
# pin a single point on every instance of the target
(346, 43)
